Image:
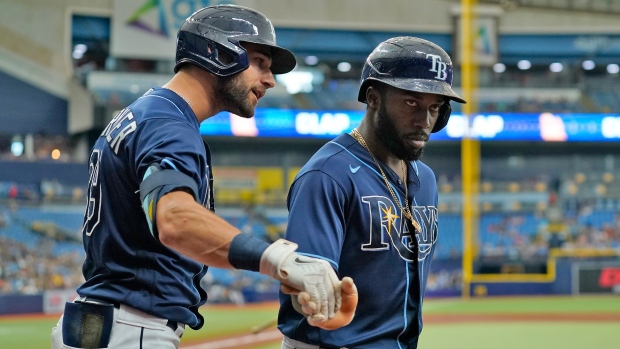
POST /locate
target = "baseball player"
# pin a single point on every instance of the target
(150, 230)
(374, 203)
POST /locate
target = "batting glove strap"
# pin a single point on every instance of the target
(274, 256)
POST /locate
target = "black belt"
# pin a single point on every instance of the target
(171, 324)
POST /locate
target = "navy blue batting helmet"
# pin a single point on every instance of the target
(211, 39)
(412, 64)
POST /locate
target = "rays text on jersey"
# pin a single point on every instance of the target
(384, 223)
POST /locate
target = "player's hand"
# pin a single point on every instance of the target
(301, 274)
(341, 318)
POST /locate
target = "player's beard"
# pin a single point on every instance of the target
(233, 95)
(387, 133)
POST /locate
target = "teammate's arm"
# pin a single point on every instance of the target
(194, 231)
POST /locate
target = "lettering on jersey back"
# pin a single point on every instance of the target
(386, 221)
(120, 127)
(92, 215)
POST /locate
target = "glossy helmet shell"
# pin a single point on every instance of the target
(412, 64)
(211, 39)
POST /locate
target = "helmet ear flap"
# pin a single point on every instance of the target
(444, 115)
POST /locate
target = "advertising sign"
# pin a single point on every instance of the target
(597, 278)
(547, 127)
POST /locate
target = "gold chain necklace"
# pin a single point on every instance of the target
(406, 211)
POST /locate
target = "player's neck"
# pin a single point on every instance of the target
(197, 91)
(377, 149)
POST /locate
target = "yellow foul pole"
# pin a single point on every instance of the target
(470, 146)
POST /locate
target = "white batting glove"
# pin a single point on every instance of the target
(303, 304)
(311, 275)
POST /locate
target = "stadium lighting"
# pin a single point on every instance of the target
(297, 81)
(499, 67)
(556, 67)
(79, 50)
(311, 60)
(344, 67)
(613, 68)
(588, 64)
(17, 146)
(56, 154)
(524, 64)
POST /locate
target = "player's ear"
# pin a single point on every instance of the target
(373, 97)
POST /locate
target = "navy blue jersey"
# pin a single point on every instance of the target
(124, 262)
(341, 210)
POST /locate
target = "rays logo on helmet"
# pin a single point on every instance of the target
(438, 67)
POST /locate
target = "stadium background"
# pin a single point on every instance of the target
(538, 177)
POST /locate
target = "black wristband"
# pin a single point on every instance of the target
(245, 252)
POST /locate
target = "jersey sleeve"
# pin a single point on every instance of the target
(167, 155)
(316, 223)
(172, 145)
